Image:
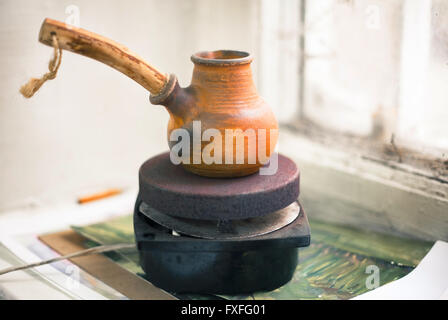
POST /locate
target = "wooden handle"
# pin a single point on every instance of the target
(104, 50)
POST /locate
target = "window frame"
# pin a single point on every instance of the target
(345, 176)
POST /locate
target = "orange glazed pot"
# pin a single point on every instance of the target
(226, 129)
(222, 96)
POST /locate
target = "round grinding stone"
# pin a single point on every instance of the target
(174, 191)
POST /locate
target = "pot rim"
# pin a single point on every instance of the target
(222, 57)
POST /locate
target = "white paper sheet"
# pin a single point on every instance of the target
(428, 281)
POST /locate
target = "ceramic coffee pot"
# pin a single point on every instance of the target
(230, 130)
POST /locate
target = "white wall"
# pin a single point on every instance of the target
(92, 127)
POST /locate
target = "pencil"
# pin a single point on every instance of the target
(99, 195)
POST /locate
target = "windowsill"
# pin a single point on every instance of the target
(341, 185)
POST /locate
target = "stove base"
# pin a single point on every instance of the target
(219, 272)
(184, 264)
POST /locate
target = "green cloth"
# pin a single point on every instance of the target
(332, 267)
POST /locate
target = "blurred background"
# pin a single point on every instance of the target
(366, 76)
